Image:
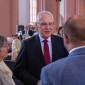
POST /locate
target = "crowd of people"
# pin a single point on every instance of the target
(42, 58)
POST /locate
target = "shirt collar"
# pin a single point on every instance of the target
(76, 48)
(41, 39)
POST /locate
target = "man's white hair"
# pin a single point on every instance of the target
(9, 38)
(44, 12)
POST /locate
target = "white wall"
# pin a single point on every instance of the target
(23, 12)
(62, 7)
(61, 12)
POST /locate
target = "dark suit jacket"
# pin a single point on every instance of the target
(8, 57)
(66, 71)
(30, 59)
(30, 32)
(23, 32)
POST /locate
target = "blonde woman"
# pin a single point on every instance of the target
(16, 44)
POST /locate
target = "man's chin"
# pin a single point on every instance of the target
(47, 37)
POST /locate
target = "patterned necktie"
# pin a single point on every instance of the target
(46, 52)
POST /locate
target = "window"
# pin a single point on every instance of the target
(33, 11)
(61, 12)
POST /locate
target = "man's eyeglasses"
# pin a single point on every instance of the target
(46, 24)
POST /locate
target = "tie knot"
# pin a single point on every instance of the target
(45, 41)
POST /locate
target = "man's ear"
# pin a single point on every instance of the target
(66, 40)
(36, 24)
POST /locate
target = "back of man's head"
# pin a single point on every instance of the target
(74, 29)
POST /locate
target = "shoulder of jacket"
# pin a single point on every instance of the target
(57, 37)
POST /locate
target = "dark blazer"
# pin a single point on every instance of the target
(30, 32)
(8, 57)
(30, 59)
(23, 32)
(66, 71)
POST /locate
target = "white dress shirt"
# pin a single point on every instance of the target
(49, 44)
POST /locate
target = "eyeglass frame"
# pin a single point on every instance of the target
(45, 24)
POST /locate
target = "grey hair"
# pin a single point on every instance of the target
(3, 41)
(9, 38)
(44, 12)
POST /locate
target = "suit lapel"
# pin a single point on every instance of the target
(55, 49)
(39, 50)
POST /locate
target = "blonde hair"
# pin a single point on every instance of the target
(16, 45)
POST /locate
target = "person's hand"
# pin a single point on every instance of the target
(10, 54)
(38, 82)
(14, 55)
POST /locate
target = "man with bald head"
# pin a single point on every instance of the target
(69, 70)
